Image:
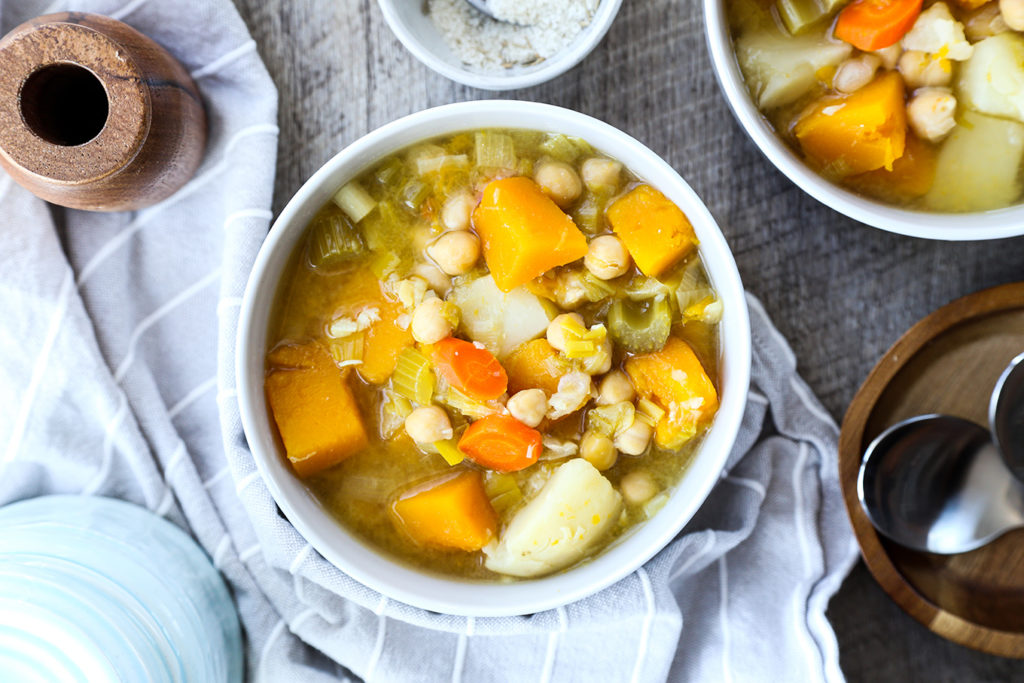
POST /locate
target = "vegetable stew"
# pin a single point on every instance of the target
(915, 104)
(494, 353)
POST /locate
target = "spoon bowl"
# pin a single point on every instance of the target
(1006, 416)
(938, 484)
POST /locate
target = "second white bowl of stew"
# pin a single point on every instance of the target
(903, 114)
(493, 357)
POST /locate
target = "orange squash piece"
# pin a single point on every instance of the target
(675, 379)
(385, 340)
(911, 176)
(656, 232)
(850, 134)
(524, 233)
(535, 365)
(313, 406)
(450, 511)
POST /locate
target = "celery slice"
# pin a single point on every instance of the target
(800, 15)
(565, 148)
(334, 239)
(594, 288)
(640, 327)
(414, 377)
(495, 150)
(390, 173)
(393, 411)
(449, 450)
(355, 201)
(654, 505)
(644, 288)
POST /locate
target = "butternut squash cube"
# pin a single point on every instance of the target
(911, 176)
(856, 133)
(524, 233)
(313, 406)
(385, 340)
(675, 379)
(656, 232)
(450, 511)
(535, 365)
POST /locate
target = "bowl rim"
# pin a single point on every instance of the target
(979, 225)
(421, 588)
(574, 53)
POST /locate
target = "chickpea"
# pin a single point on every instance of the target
(889, 57)
(607, 257)
(856, 72)
(458, 210)
(559, 181)
(428, 424)
(634, 441)
(429, 325)
(598, 450)
(455, 252)
(434, 276)
(1013, 13)
(556, 332)
(984, 22)
(919, 69)
(615, 388)
(529, 406)
(930, 113)
(638, 487)
(601, 174)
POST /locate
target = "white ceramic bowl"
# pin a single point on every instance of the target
(986, 225)
(421, 588)
(417, 32)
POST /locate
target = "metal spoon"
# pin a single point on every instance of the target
(938, 484)
(1006, 416)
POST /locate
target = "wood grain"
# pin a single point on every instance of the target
(62, 73)
(840, 292)
(947, 363)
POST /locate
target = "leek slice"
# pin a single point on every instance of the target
(654, 505)
(502, 490)
(640, 327)
(414, 377)
(449, 450)
(414, 193)
(565, 148)
(611, 420)
(649, 411)
(470, 407)
(334, 239)
(393, 411)
(347, 351)
(390, 173)
(495, 150)
(355, 201)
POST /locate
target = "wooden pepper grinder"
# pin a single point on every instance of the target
(94, 115)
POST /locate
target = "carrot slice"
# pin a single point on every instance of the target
(501, 443)
(873, 24)
(472, 370)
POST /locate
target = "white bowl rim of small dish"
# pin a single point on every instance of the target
(982, 225)
(520, 77)
(450, 595)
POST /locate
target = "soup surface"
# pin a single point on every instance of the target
(494, 353)
(919, 105)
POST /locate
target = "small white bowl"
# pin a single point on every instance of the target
(986, 225)
(416, 30)
(430, 590)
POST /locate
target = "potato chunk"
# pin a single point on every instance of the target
(576, 508)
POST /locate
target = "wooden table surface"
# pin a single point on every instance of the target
(839, 291)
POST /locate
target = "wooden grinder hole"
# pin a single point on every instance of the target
(64, 104)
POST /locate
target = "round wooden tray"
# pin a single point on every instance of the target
(947, 363)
